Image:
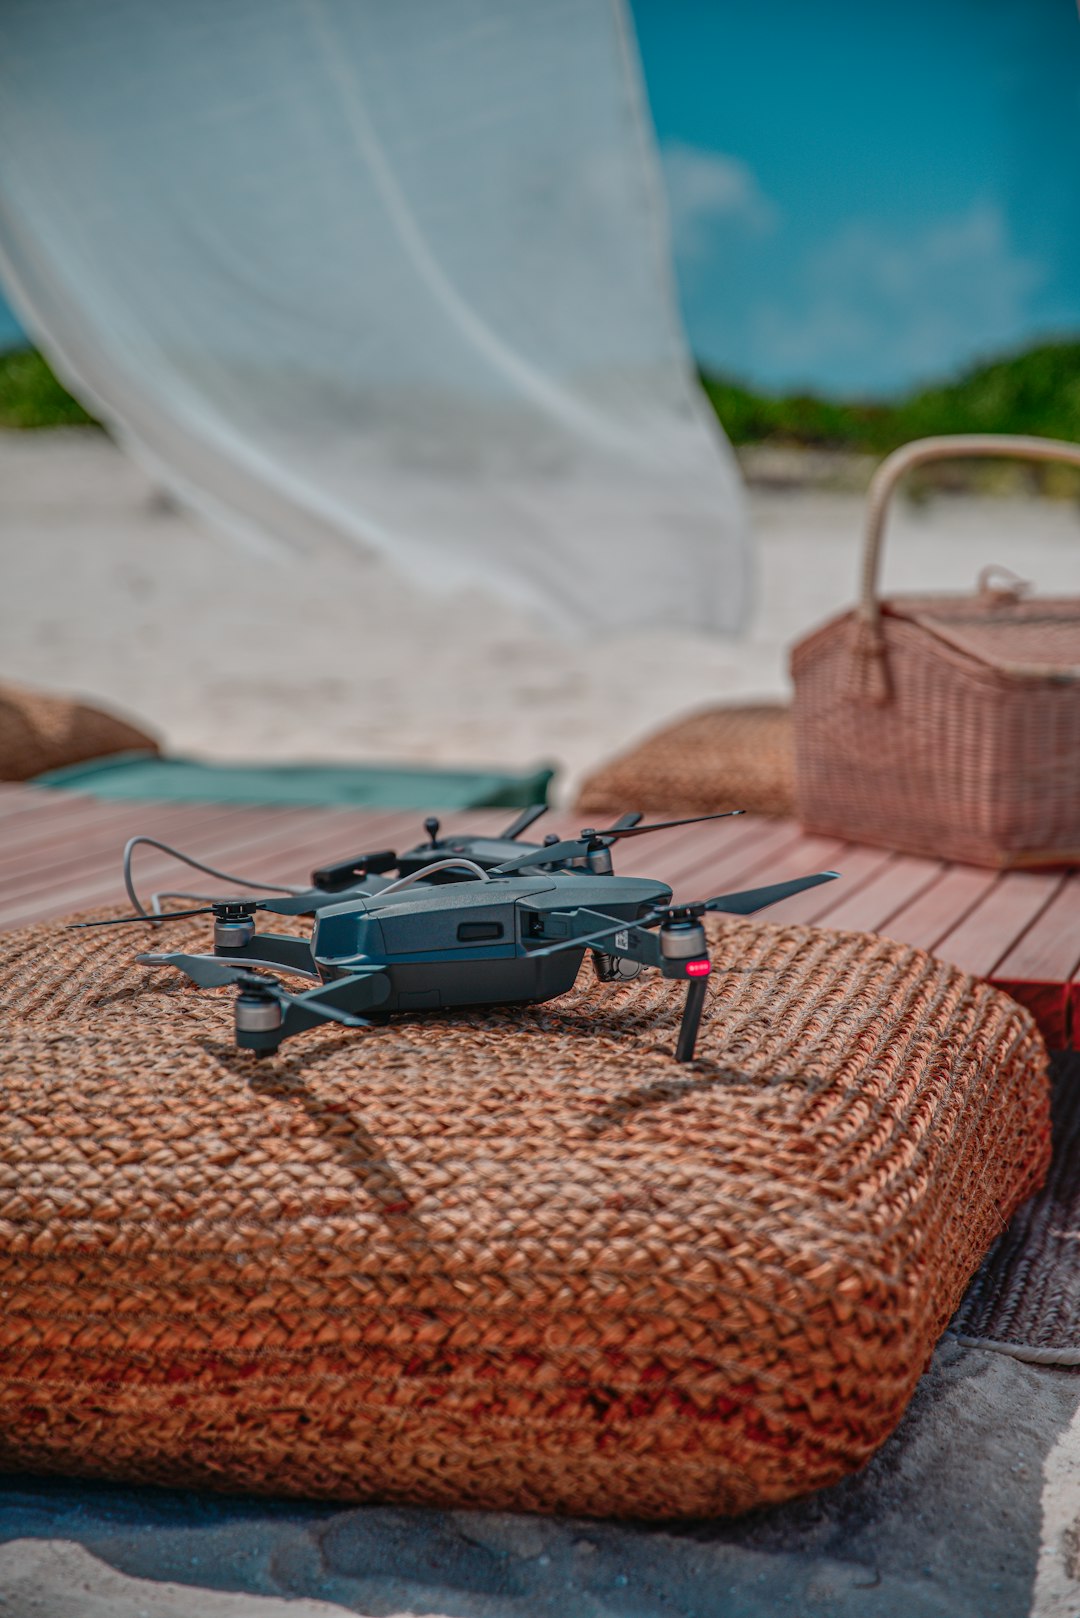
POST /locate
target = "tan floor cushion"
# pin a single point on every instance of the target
(505, 1259)
(40, 731)
(725, 758)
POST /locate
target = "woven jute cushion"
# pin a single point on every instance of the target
(725, 758)
(509, 1258)
(40, 731)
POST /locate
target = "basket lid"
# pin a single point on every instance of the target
(1037, 637)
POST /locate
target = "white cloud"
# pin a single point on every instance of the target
(876, 305)
(706, 188)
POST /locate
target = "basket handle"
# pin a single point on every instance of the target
(869, 640)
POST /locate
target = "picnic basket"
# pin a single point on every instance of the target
(944, 725)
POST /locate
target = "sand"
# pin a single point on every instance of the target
(972, 1510)
(109, 591)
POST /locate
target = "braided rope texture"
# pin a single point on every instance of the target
(725, 758)
(40, 731)
(511, 1258)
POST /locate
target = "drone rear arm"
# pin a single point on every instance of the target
(259, 1029)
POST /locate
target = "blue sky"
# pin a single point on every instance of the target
(864, 197)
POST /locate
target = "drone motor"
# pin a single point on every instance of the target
(257, 1012)
(682, 939)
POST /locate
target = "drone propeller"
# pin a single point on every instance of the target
(296, 904)
(248, 905)
(590, 839)
(746, 903)
(751, 900)
(209, 973)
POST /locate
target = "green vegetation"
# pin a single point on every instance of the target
(1037, 391)
(30, 395)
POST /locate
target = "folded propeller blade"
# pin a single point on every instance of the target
(205, 970)
(299, 904)
(210, 973)
(574, 847)
(622, 829)
(745, 903)
(122, 921)
(550, 854)
(754, 899)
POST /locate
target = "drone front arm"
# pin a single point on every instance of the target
(274, 950)
(356, 994)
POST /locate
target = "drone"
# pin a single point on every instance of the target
(472, 921)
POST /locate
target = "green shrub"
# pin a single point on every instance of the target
(1037, 391)
(30, 395)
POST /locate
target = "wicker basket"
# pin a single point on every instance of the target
(735, 757)
(40, 731)
(512, 1259)
(940, 725)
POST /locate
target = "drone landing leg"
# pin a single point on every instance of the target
(691, 1020)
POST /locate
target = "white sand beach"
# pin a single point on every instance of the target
(110, 592)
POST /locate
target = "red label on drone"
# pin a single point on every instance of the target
(698, 969)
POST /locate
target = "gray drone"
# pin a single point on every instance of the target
(469, 922)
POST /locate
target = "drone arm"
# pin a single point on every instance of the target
(360, 992)
(273, 950)
(593, 929)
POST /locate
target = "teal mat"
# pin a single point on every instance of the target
(355, 786)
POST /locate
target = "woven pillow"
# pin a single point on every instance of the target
(39, 732)
(736, 757)
(513, 1259)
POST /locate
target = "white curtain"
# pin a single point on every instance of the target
(388, 271)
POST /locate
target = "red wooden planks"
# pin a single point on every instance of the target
(866, 907)
(934, 911)
(989, 931)
(723, 861)
(267, 844)
(1039, 967)
(856, 866)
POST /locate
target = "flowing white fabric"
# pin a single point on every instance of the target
(389, 270)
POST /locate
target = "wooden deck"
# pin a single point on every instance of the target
(60, 853)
